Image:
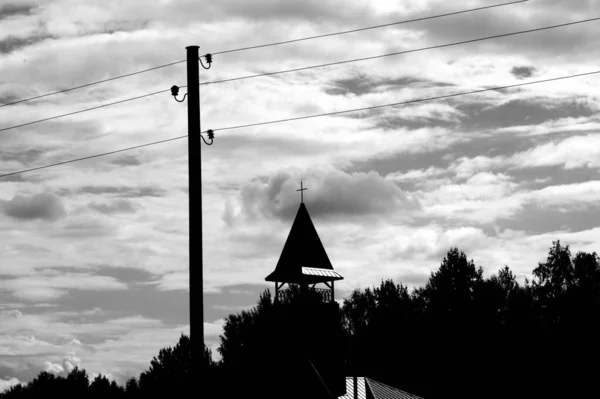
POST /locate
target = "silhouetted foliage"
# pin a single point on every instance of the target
(168, 374)
(170, 371)
(265, 349)
(132, 388)
(102, 387)
(75, 385)
(460, 335)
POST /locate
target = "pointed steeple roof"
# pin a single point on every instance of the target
(303, 258)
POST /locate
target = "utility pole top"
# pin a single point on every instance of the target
(191, 47)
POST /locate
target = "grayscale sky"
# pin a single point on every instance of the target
(94, 263)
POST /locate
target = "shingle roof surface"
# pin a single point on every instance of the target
(383, 391)
(313, 271)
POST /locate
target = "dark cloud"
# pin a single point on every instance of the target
(118, 206)
(523, 113)
(169, 306)
(11, 43)
(510, 114)
(31, 249)
(45, 206)
(357, 85)
(310, 10)
(331, 193)
(26, 371)
(127, 160)
(14, 178)
(85, 228)
(115, 26)
(10, 9)
(5, 97)
(126, 274)
(123, 274)
(124, 191)
(523, 71)
(564, 41)
(23, 156)
(533, 219)
(363, 84)
(554, 175)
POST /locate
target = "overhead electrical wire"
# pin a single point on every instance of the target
(312, 116)
(261, 46)
(402, 102)
(84, 110)
(367, 28)
(93, 156)
(401, 52)
(89, 84)
(310, 67)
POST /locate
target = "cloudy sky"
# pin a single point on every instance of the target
(94, 265)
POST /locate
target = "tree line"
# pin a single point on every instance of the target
(460, 335)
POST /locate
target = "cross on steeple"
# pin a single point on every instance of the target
(302, 191)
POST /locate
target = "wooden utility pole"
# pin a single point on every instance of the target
(196, 378)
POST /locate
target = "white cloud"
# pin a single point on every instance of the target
(7, 384)
(53, 367)
(40, 287)
(70, 360)
(568, 194)
(572, 152)
(416, 175)
(215, 328)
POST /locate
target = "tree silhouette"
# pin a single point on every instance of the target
(102, 387)
(169, 372)
(77, 382)
(132, 388)
(265, 349)
(47, 384)
(459, 335)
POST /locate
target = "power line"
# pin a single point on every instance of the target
(83, 110)
(312, 67)
(403, 102)
(401, 52)
(89, 84)
(260, 46)
(93, 156)
(315, 116)
(367, 28)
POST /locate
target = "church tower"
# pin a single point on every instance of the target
(311, 324)
(304, 261)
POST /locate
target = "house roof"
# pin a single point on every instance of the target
(303, 258)
(378, 390)
(360, 385)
